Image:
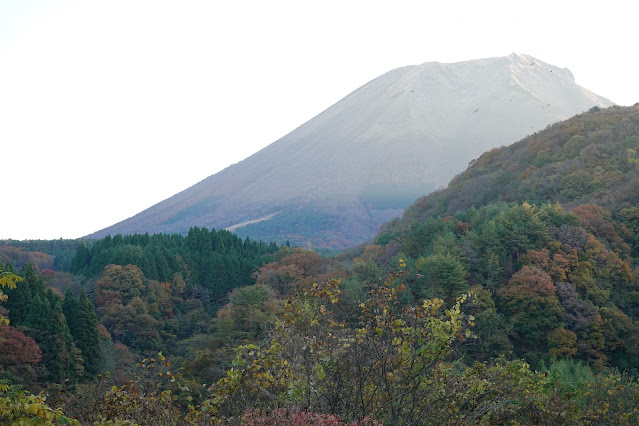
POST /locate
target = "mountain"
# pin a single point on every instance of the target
(335, 179)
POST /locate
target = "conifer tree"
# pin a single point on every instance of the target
(38, 315)
(82, 258)
(83, 325)
(20, 298)
(47, 325)
(70, 310)
(38, 312)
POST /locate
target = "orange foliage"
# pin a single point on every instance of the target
(47, 272)
(295, 271)
(557, 266)
(595, 220)
(18, 257)
(102, 331)
(529, 282)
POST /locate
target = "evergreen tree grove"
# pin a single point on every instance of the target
(83, 325)
(38, 313)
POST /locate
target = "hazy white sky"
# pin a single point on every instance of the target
(108, 107)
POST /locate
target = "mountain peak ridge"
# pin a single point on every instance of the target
(361, 161)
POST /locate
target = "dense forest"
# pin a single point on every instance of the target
(511, 297)
(44, 254)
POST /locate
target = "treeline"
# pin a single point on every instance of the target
(215, 260)
(53, 254)
(162, 292)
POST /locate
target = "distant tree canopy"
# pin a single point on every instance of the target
(54, 254)
(162, 292)
(215, 260)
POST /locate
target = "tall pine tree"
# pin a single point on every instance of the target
(81, 260)
(20, 298)
(83, 325)
(38, 313)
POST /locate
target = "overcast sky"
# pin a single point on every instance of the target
(108, 107)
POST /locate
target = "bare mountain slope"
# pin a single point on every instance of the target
(332, 181)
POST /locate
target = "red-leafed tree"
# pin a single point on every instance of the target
(19, 354)
(16, 348)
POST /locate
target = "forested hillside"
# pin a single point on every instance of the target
(217, 261)
(512, 297)
(547, 230)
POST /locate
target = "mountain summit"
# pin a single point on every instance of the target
(335, 179)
